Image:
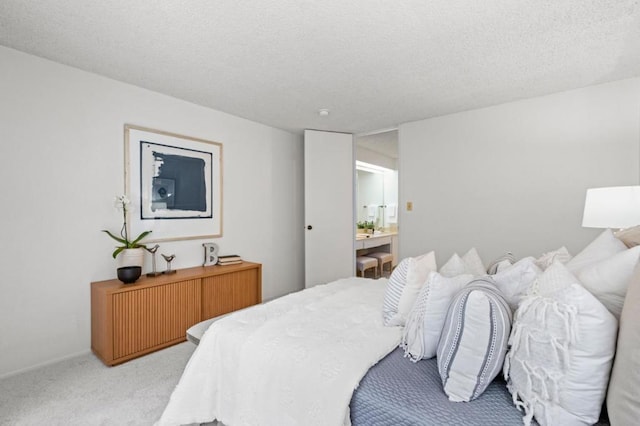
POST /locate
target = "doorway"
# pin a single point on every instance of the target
(376, 193)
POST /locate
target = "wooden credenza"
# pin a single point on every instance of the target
(130, 320)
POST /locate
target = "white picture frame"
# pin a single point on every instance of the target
(174, 183)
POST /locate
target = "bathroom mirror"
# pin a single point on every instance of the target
(376, 195)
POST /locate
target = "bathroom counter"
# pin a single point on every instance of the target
(360, 237)
(381, 241)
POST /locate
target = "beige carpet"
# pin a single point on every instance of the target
(83, 391)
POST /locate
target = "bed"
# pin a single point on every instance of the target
(385, 388)
(322, 356)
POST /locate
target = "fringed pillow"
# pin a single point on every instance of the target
(561, 350)
(422, 331)
(561, 255)
(404, 286)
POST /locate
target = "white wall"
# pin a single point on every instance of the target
(373, 157)
(61, 147)
(513, 176)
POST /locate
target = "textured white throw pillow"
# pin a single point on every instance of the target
(417, 273)
(562, 346)
(474, 263)
(515, 281)
(562, 255)
(605, 245)
(454, 266)
(609, 279)
(424, 324)
(474, 339)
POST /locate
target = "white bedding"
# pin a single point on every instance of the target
(293, 361)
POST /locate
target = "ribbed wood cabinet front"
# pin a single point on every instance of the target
(222, 294)
(128, 321)
(151, 317)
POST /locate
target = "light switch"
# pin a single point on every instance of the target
(409, 206)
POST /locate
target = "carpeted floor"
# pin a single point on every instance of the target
(83, 391)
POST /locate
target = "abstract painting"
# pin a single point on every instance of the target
(174, 183)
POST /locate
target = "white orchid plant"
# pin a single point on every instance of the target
(121, 203)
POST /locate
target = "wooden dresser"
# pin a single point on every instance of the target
(130, 320)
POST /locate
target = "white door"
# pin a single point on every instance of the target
(328, 206)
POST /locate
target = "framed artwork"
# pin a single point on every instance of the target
(174, 183)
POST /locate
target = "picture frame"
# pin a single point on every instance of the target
(174, 183)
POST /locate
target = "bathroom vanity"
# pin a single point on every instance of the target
(380, 241)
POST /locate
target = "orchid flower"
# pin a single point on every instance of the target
(121, 202)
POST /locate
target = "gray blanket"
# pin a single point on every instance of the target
(399, 392)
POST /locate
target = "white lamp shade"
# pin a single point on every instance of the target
(612, 207)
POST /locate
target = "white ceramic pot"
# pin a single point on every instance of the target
(131, 257)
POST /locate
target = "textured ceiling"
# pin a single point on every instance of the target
(373, 63)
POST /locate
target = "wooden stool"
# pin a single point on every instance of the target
(364, 262)
(382, 258)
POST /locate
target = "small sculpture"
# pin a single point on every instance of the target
(169, 258)
(153, 251)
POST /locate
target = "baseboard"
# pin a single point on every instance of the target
(44, 364)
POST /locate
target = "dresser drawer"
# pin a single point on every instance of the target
(375, 242)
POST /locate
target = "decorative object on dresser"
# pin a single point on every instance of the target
(210, 253)
(131, 251)
(129, 274)
(230, 259)
(154, 271)
(169, 258)
(128, 321)
(175, 183)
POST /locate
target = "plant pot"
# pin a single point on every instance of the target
(361, 231)
(129, 274)
(131, 257)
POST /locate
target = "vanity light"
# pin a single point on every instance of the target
(323, 112)
(372, 168)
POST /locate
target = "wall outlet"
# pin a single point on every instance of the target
(409, 206)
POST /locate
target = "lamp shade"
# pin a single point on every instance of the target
(612, 207)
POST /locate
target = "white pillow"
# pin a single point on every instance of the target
(417, 273)
(474, 339)
(608, 279)
(605, 245)
(393, 292)
(514, 282)
(454, 266)
(474, 263)
(397, 285)
(424, 324)
(562, 255)
(562, 346)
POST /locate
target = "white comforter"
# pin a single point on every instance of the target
(293, 361)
